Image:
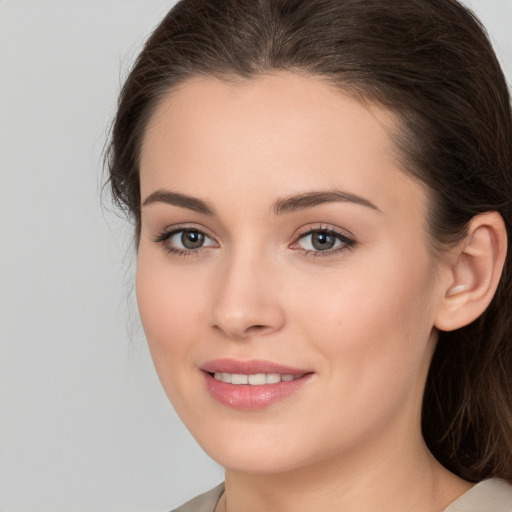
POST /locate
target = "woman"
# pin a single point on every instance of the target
(321, 193)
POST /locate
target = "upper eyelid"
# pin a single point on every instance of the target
(299, 232)
(171, 230)
(308, 229)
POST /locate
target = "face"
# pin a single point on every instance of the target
(284, 279)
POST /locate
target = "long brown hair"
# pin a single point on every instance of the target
(431, 63)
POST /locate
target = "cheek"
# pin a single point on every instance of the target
(171, 312)
(373, 322)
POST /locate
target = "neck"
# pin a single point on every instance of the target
(374, 480)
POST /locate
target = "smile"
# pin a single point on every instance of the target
(257, 379)
(254, 384)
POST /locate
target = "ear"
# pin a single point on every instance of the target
(473, 272)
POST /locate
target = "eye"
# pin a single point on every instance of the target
(323, 240)
(188, 239)
(319, 241)
(185, 241)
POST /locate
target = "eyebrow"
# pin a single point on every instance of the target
(282, 206)
(310, 199)
(182, 200)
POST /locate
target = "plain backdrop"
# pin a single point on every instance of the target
(84, 425)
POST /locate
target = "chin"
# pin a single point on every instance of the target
(259, 461)
(263, 452)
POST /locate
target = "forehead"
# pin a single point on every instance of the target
(275, 134)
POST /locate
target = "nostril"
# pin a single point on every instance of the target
(243, 332)
(256, 328)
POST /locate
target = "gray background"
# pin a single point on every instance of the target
(84, 425)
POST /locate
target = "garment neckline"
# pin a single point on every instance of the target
(452, 507)
(479, 495)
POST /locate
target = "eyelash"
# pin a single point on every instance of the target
(165, 236)
(346, 243)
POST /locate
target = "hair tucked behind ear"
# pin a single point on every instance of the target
(430, 62)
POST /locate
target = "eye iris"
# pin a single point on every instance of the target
(323, 241)
(192, 239)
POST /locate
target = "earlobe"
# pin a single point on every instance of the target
(474, 272)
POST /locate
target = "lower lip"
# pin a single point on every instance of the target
(248, 397)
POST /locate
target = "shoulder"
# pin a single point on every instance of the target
(493, 495)
(204, 502)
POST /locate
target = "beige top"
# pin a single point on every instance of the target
(491, 495)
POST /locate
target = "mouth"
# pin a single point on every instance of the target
(252, 385)
(255, 379)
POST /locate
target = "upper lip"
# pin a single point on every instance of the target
(250, 367)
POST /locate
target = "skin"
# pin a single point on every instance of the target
(362, 319)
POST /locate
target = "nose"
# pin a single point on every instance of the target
(247, 299)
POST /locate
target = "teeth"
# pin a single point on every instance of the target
(273, 378)
(257, 379)
(238, 378)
